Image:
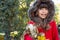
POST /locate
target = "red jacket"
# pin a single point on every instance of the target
(51, 34)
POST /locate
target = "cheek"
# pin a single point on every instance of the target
(40, 12)
(47, 12)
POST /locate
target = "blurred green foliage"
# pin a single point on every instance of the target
(24, 5)
(13, 16)
(8, 16)
(56, 14)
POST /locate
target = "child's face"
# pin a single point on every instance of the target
(42, 13)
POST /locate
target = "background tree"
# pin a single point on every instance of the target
(24, 5)
(8, 16)
(13, 16)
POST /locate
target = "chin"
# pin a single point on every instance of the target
(43, 17)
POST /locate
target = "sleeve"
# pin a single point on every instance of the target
(30, 28)
(55, 31)
(31, 22)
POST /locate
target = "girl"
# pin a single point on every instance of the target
(41, 14)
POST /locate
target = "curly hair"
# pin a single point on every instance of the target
(38, 4)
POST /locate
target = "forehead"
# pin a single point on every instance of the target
(42, 8)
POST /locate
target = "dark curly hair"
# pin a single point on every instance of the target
(38, 4)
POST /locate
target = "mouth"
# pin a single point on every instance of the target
(44, 14)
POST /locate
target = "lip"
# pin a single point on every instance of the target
(43, 14)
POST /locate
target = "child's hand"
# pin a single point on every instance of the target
(47, 39)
